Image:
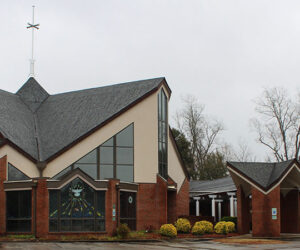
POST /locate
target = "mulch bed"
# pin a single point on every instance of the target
(147, 236)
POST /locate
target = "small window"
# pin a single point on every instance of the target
(15, 174)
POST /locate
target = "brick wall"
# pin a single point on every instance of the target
(3, 164)
(183, 199)
(146, 206)
(262, 223)
(152, 204)
(42, 208)
(243, 211)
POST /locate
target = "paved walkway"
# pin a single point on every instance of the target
(178, 244)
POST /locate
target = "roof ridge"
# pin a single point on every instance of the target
(106, 86)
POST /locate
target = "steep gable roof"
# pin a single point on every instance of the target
(264, 175)
(44, 125)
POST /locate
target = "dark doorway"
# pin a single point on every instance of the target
(128, 209)
(18, 211)
(172, 206)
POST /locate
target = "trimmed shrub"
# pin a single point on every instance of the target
(168, 230)
(221, 227)
(229, 218)
(231, 226)
(123, 231)
(208, 226)
(198, 229)
(183, 225)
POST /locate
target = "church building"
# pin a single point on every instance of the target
(86, 161)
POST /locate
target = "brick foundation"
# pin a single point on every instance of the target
(243, 213)
(3, 164)
(262, 223)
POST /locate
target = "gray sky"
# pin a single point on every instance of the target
(223, 52)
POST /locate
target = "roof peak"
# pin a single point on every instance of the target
(32, 94)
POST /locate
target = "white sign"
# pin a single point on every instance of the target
(274, 211)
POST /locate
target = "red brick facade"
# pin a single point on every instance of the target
(262, 224)
(155, 205)
(3, 164)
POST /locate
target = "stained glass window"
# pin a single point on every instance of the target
(112, 159)
(76, 207)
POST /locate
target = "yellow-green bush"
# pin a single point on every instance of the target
(222, 227)
(183, 225)
(208, 226)
(231, 226)
(198, 229)
(168, 230)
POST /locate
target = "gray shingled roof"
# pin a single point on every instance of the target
(262, 173)
(42, 125)
(220, 185)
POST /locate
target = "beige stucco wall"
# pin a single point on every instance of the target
(144, 117)
(174, 167)
(19, 161)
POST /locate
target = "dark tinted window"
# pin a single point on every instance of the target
(162, 134)
(15, 174)
(18, 211)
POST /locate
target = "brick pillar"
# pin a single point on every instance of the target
(3, 164)
(290, 212)
(243, 213)
(111, 202)
(183, 199)
(262, 223)
(161, 200)
(42, 208)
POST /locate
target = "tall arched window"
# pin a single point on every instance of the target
(162, 134)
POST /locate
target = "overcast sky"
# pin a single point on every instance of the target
(223, 52)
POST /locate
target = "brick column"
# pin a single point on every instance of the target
(3, 164)
(262, 223)
(161, 200)
(111, 202)
(42, 208)
(242, 212)
(183, 199)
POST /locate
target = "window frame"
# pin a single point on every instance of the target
(114, 163)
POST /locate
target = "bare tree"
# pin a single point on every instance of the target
(201, 132)
(278, 123)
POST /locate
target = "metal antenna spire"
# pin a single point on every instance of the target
(32, 26)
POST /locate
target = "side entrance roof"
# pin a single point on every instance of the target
(261, 174)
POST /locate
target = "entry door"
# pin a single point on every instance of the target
(128, 209)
